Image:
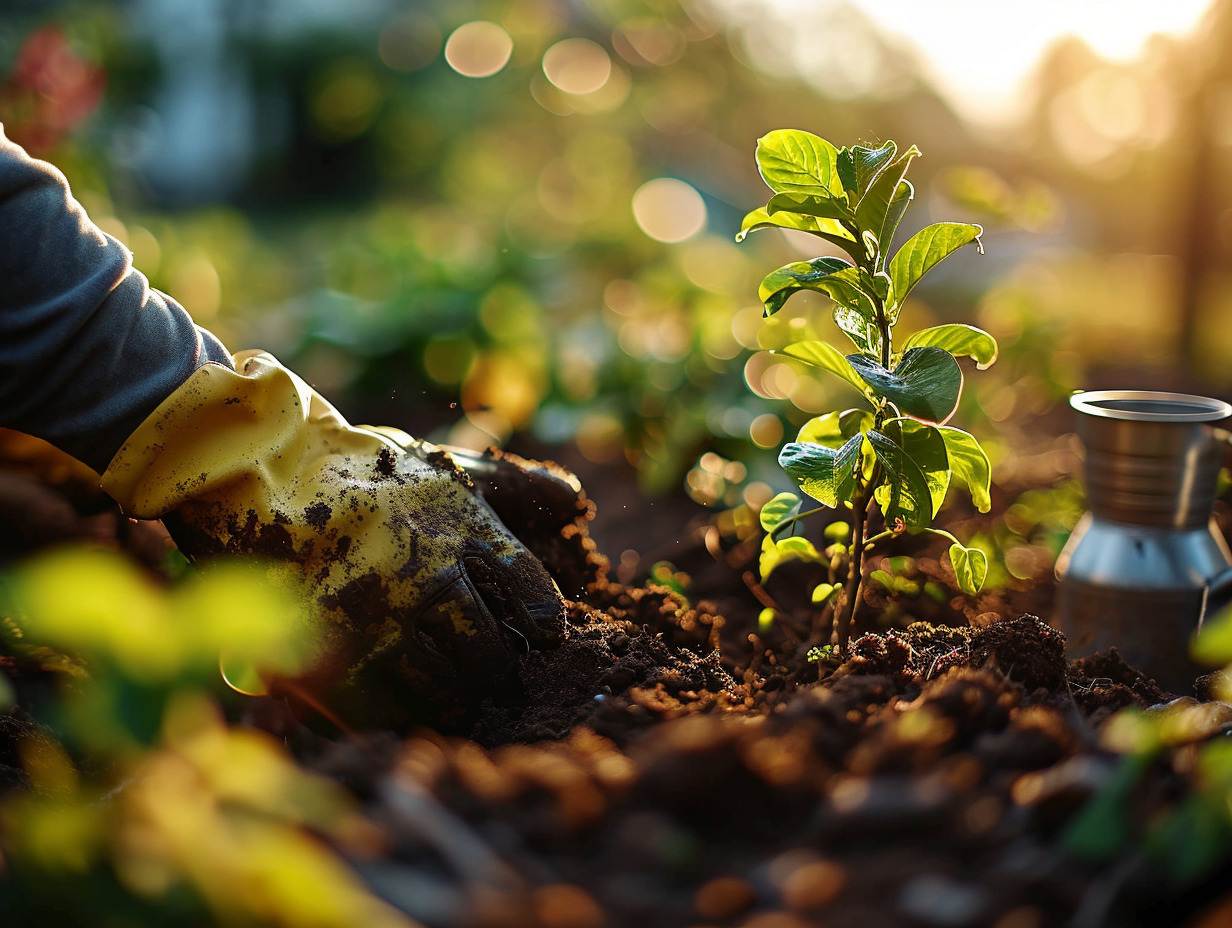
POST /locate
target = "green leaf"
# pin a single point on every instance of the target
(1213, 644)
(925, 250)
(925, 385)
(969, 462)
(795, 548)
(883, 577)
(958, 340)
(903, 195)
(765, 620)
(826, 474)
(823, 207)
(845, 162)
(874, 207)
(829, 229)
(926, 447)
(792, 161)
(855, 314)
(828, 358)
(870, 162)
(783, 507)
(823, 275)
(970, 568)
(824, 592)
(837, 531)
(834, 428)
(905, 494)
(1101, 828)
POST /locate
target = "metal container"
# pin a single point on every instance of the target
(1145, 563)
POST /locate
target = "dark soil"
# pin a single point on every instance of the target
(670, 765)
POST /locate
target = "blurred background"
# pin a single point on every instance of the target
(511, 222)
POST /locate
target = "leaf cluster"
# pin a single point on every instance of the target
(900, 453)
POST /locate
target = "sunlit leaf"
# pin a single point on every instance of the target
(874, 207)
(970, 568)
(870, 162)
(858, 323)
(926, 447)
(903, 195)
(826, 474)
(837, 531)
(824, 592)
(110, 612)
(969, 462)
(959, 340)
(776, 552)
(829, 229)
(827, 357)
(878, 283)
(823, 207)
(927, 248)
(834, 428)
(1212, 646)
(783, 507)
(793, 161)
(765, 620)
(234, 609)
(819, 274)
(925, 385)
(905, 493)
(845, 163)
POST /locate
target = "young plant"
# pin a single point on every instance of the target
(899, 456)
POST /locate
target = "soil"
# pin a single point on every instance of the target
(671, 764)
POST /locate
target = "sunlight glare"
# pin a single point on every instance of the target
(980, 54)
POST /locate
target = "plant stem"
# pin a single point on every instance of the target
(845, 616)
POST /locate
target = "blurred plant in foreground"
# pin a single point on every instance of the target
(1187, 839)
(144, 806)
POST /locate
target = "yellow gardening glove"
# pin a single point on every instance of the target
(427, 599)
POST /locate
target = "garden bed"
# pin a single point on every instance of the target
(672, 763)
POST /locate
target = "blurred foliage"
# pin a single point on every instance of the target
(143, 806)
(526, 206)
(1191, 836)
(543, 235)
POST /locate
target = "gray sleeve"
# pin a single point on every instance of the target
(87, 349)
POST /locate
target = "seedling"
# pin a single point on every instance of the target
(900, 455)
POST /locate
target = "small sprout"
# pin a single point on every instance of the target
(970, 568)
(664, 573)
(816, 653)
(899, 455)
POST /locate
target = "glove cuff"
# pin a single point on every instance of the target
(227, 428)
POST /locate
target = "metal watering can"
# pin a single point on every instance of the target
(1146, 564)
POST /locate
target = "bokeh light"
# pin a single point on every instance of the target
(577, 66)
(478, 49)
(346, 100)
(409, 42)
(669, 210)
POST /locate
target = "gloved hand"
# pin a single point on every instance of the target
(428, 598)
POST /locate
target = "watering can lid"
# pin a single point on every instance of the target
(1150, 406)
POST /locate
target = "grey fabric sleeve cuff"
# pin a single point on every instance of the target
(87, 349)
